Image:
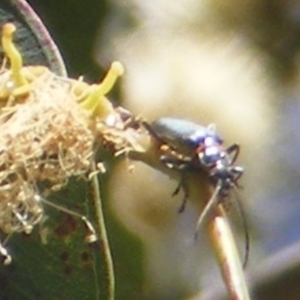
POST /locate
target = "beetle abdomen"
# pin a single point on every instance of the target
(182, 133)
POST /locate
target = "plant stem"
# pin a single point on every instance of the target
(226, 252)
(103, 238)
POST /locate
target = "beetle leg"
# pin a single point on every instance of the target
(184, 200)
(175, 163)
(182, 185)
(235, 149)
(177, 189)
(237, 173)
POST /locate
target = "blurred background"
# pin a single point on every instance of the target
(224, 62)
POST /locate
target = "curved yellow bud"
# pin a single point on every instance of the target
(96, 102)
(13, 54)
(116, 70)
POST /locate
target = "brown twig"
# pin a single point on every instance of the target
(225, 249)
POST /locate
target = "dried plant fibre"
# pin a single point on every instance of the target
(49, 126)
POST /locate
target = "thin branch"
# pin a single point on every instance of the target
(227, 255)
(103, 238)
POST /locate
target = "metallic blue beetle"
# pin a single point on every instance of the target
(198, 148)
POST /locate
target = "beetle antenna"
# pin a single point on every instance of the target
(241, 211)
(208, 207)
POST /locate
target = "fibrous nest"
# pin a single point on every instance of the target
(49, 129)
(44, 137)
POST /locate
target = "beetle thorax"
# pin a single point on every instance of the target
(210, 152)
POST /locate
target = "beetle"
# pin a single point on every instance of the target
(191, 148)
(198, 147)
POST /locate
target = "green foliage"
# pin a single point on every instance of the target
(55, 263)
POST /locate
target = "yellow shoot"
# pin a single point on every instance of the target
(13, 55)
(96, 102)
